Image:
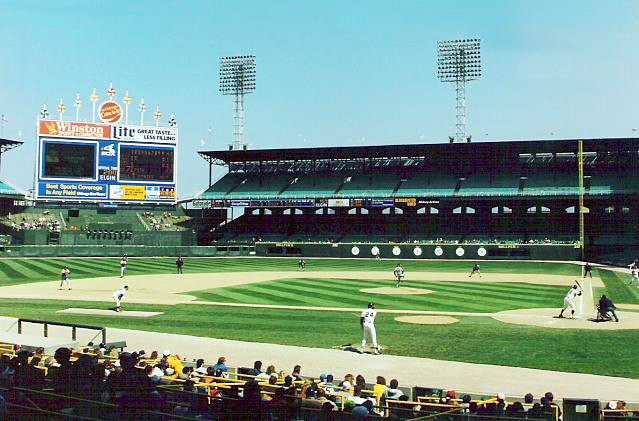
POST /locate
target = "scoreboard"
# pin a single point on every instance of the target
(95, 162)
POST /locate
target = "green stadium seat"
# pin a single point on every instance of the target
(428, 185)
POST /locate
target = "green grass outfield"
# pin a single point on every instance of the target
(473, 339)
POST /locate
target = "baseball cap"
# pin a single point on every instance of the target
(501, 396)
(323, 376)
(166, 353)
(347, 385)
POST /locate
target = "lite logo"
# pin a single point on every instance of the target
(108, 150)
(123, 133)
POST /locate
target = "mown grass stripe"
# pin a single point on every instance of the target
(460, 289)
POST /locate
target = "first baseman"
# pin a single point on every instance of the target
(367, 321)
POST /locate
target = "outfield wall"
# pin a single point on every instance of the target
(117, 251)
(423, 251)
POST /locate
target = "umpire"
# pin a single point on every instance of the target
(607, 308)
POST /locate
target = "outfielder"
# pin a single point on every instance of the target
(367, 321)
(123, 263)
(118, 296)
(64, 277)
(476, 269)
(399, 274)
(634, 275)
(569, 302)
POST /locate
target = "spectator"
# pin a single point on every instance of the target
(199, 367)
(252, 407)
(361, 412)
(221, 365)
(186, 373)
(62, 375)
(379, 390)
(130, 389)
(393, 392)
(296, 373)
(256, 370)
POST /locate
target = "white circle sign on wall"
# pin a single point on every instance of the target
(397, 251)
(417, 251)
(375, 251)
(481, 252)
(355, 250)
(459, 251)
(439, 251)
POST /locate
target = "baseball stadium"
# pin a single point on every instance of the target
(351, 214)
(461, 280)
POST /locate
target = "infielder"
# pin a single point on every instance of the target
(399, 274)
(123, 263)
(476, 269)
(118, 296)
(367, 321)
(64, 277)
(569, 302)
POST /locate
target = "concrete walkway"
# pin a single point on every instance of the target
(471, 378)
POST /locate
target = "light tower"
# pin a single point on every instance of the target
(237, 77)
(459, 61)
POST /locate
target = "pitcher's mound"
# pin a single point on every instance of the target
(396, 291)
(427, 320)
(546, 317)
(99, 312)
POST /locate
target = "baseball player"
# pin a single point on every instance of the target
(587, 270)
(634, 275)
(123, 263)
(476, 269)
(301, 264)
(367, 321)
(569, 302)
(118, 296)
(64, 277)
(399, 274)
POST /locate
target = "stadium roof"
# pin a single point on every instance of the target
(6, 144)
(494, 150)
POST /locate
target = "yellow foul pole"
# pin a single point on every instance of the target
(581, 198)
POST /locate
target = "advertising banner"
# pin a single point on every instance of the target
(79, 191)
(145, 134)
(127, 192)
(334, 203)
(71, 129)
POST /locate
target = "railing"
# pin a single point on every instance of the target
(74, 327)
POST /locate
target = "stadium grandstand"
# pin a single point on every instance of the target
(515, 199)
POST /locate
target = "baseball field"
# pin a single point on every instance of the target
(503, 318)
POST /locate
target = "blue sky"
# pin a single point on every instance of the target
(329, 73)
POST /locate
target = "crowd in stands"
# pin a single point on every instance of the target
(164, 221)
(26, 222)
(101, 382)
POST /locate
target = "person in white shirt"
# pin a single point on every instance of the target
(569, 302)
(367, 321)
(399, 274)
(123, 263)
(634, 273)
(64, 277)
(118, 296)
